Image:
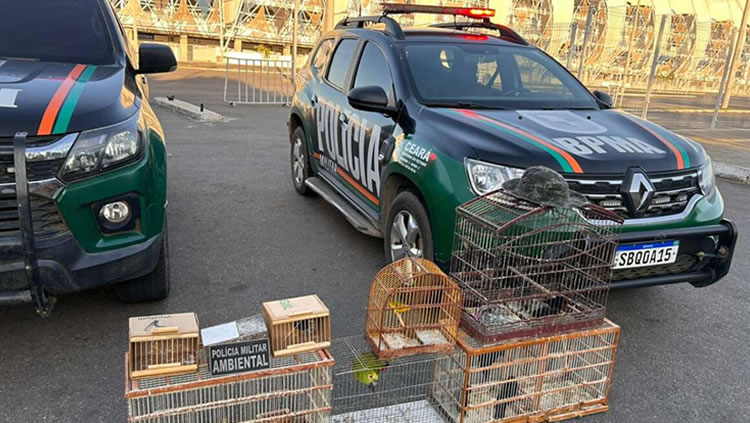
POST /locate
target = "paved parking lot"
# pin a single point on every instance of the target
(239, 235)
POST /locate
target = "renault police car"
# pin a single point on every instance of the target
(396, 127)
(82, 156)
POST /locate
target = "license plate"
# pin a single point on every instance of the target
(647, 254)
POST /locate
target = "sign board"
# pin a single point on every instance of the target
(239, 357)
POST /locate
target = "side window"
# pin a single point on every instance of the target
(373, 70)
(340, 62)
(321, 56)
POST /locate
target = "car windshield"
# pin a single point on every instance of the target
(71, 31)
(492, 76)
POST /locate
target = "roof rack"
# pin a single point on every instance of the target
(503, 31)
(392, 27)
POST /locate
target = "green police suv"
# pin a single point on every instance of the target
(396, 127)
(82, 156)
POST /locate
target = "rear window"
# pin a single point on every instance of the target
(73, 31)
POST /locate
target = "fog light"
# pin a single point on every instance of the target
(116, 212)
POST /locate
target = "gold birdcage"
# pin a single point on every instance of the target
(413, 308)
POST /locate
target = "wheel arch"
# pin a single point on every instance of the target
(394, 183)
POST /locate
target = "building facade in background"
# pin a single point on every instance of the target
(610, 41)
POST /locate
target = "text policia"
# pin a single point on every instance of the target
(348, 147)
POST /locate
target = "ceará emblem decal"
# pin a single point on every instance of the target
(563, 121)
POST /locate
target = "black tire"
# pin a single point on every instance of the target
(298, 156)
(151, 287)
(407, 201)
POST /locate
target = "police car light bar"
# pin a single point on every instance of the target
(471, 12)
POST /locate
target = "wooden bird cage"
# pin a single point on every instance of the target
(531, 270)
(413, 308)
(165, 344)
(294, 389)
(545, 379)
(297, 325)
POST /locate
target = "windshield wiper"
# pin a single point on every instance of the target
(465, 105)
(568, 108)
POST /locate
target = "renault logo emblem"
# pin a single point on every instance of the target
(637, 191)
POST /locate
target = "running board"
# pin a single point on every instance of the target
(358, 219)
(8, 298)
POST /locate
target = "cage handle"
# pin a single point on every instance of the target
(164, 365)
(168, 329)
(300, 345)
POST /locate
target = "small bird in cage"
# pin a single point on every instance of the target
(507, 390)
(496, 315)
(367, 368)
(306, 329)
(548, 307)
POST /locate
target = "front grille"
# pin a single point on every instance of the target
(46, 219)
(673, 193)
(35, 171)
(683, 264)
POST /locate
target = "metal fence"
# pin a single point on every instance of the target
(257, 81)
(668, 68)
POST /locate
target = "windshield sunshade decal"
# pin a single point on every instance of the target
(566, 161)
(683, 160)
(66, 112)
(53, 108)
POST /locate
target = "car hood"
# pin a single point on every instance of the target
(569, 141)
(44, 98)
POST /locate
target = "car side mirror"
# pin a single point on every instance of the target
(603, 98)
(370, 99)
(155, 58)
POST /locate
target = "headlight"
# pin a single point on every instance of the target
(486, 177)
(706, 178)
(103, 149)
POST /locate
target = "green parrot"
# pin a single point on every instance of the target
(367, 368)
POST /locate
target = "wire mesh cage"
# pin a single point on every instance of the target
(529, 270)
(294, 389)
(413, 308)
(536, 380)
(369, 389)
(164, 344)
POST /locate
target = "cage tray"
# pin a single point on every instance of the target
(415, 411)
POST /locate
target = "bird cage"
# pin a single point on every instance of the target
(529, 270)
(297, 325)
(413, 308)
(294, 389)
(551, 378)
(165, 344)
(367, 389)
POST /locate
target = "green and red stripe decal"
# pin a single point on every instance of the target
(681, 156)
(565, 159)
(60, 109)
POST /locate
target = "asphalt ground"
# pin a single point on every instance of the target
(240, 235)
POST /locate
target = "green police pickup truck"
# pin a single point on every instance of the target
(83, 173)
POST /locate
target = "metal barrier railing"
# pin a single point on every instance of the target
(257, 81)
